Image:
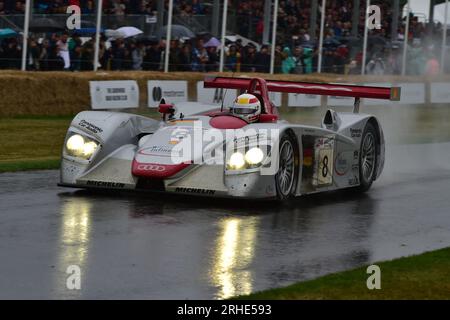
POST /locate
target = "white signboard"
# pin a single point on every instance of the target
(214, 95)
(171, 91)
(378, 102)
(114, 94)
(275, 97)
(341, 101)
(440, 92)
(303, 100)
(412, 93)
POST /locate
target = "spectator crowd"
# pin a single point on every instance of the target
(296, 50)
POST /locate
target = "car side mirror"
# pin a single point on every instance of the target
(166, 109)
(268, 118)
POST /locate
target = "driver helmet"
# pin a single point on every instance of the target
(247, 107)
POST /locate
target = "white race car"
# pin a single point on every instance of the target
(205, 150)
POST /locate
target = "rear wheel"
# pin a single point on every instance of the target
(286, 177)
(368, 157)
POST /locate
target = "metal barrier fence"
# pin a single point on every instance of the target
(244, 25)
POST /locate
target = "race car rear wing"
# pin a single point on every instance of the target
(340, 90)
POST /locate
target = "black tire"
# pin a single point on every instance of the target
(368, 157)
(286, 176)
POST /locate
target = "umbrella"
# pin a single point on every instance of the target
(45, 25)
(122, 33)
(245, 41)
(7, 33)
(213, 42)
(127, 32)
(178, 31)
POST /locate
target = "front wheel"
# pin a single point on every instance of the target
(286, 177)
(368, 157)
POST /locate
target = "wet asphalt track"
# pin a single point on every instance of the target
(160, 247)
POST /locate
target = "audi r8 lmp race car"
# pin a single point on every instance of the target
(205, 150)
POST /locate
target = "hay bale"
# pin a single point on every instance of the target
(67, 93)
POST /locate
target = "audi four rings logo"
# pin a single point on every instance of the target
(157, 93)
(151, 167)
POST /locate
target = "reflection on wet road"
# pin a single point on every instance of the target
(152, 246)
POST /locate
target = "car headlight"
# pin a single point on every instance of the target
(254, 156)
(236, 161)
(80, 147)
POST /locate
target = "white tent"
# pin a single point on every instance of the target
(421, 9)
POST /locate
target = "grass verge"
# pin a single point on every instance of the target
(29, 165)
(31, 143)
(424, 276)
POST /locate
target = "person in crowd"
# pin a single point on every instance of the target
(118, 55)
(432, 66)
(328, 60)
(87, 55)
(248, 60)
(12, 54)
(152, 58)
(278, 58)
(288, 63)
(174, 62)
(297, 58)
(185, 58)
(63, 50)
(232, 59)
(262, 61)
(375, 66)
(308, 54)
(137, 55)
(200, 57)
(44, 56)
(213, 61)
(2, 8)
(89, 8)
(33, 55)
(75, 47)
(340, 59)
